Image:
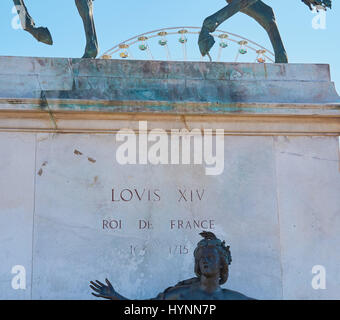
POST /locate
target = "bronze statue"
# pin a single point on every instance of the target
(259, 11)
(212, 260)
(43, 35)
(256, 9)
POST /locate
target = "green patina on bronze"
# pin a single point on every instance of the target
(256, 9)
(212, 260)
(43, 34)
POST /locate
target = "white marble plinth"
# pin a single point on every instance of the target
(71, 213)
(276, 204)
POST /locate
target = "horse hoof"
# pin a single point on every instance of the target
(91, 52)
(42, 35)
(205, 41)
(281, 58)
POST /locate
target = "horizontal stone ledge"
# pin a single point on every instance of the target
(170, 90)
(165, 107)
(238, 124)
(61, 67)
(171, 81)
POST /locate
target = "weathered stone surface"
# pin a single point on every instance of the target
(57, 94)
(276, 202)
(17, 172)
(308, 174)
(73, 196)
(225, 83)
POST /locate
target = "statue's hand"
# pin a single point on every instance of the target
(102, 290)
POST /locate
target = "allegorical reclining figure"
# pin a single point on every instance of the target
(256, 9)
(212, 260)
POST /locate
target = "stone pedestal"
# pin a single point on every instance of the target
(71, 213)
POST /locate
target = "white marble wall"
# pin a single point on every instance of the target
(277, 204)
(308, 175)
(17, 176)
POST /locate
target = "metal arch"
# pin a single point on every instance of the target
(133, 40)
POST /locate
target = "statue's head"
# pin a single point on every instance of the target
(212, 257)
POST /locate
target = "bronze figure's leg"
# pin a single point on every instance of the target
(205, 40)
(264, 15)
(86, 12)
(41, 34)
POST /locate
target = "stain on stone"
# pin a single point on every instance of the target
(95, 180)
(265, 71)
(40, 172)
(164, 68)
(339, 152)
(293, 153)
(322, 159)
(77, 152)
(43, 101)
(91, 160)
(286, 139)
(41, 62)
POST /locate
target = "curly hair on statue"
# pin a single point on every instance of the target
(210, 240)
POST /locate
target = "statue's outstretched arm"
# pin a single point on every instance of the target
(105, 291)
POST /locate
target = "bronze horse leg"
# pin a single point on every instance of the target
(41, 34)
(256, 9)
(85, 9)
(264, 15)
(210, 24)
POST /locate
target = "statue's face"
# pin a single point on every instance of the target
(209, 262)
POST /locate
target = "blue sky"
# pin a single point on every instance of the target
(117, 21)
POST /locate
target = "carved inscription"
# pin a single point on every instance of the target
(121, 196)
(127, 195)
